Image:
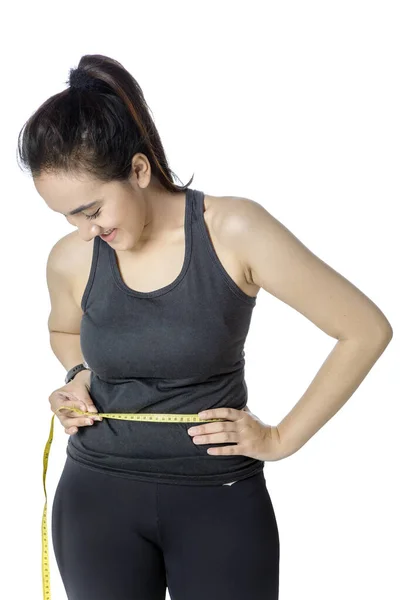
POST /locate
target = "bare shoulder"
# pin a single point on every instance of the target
(236, 214)
(231, 218)
(71, 257)
(68, 252)
(242, 223)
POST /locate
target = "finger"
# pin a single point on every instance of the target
(69, 411)
(225, 450)
(86, 404)
(71, 430)
(73, 399)
(55, 406)
(224, 412)
(217, 438)
(75, 411)
(215, 427)
(63, 413)
(76, 422)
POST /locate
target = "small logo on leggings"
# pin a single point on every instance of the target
(232, 482)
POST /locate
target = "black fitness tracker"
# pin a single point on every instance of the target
(75, 370)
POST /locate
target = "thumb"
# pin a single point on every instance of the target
(89, 403)
(84, 399)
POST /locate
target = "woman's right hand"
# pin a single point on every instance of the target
(74, 394)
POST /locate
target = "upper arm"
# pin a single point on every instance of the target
(283, 266)
(65, 315)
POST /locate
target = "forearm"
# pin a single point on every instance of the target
(338, 378)
(67, 348)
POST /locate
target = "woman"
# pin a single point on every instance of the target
(151, 303)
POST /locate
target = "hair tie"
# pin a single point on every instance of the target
(79, 79)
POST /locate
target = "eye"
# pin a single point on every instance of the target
(95, 215)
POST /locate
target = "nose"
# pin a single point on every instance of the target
(88, 233)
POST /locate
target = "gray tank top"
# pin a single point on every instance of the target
(178, 349)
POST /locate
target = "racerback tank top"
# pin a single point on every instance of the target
(178, 349)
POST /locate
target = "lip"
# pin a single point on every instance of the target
(110, 236)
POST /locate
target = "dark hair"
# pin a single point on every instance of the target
(97, 131)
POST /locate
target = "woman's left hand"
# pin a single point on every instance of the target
(253, 438)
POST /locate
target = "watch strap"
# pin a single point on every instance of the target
(75, 370)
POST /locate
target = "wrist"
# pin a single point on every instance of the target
(83, 375)
(284, 448)
(275, 447)
(272, 448)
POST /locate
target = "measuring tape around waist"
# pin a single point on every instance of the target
(151, 417)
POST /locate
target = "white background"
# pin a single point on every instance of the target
(294, 105)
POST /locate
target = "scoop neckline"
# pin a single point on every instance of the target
(167, 288)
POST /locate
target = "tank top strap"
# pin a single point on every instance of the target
(207, 266)
(198, 203)
(100, 275)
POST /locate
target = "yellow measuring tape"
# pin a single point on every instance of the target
(156, 417)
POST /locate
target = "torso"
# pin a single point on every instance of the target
(148, 272)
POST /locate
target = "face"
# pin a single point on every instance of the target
(119, 205)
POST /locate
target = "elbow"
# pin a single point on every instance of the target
(379, 334)
(385, 331)
(380, 329)
(382, 335)
(388, 336)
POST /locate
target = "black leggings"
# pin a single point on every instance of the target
(116, 538)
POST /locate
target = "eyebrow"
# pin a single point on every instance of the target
(81, 208)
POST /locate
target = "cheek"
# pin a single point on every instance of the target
(127, 219)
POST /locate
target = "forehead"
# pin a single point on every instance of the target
(66, 193)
